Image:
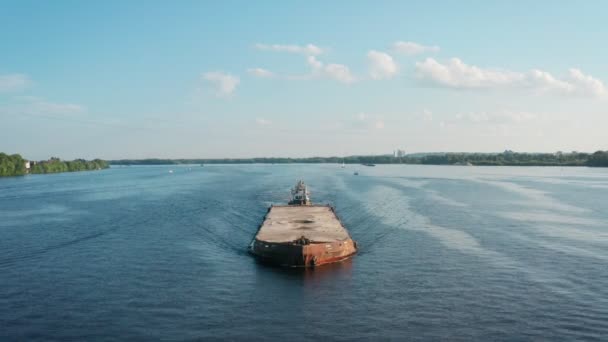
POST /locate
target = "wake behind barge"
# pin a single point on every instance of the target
(301, 234)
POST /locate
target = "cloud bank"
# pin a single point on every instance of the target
(457, 74)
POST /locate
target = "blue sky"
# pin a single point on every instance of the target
(233, 79)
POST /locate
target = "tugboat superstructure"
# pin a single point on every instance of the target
(300, 195)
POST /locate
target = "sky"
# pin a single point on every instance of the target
(229, 79)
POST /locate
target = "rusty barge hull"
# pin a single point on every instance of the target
(293, 255)
(302, 236)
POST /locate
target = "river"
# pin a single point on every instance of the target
(446, 252)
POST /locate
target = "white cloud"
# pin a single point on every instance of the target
(262, 122)
(575, 83)
(314, 63)
(545, 81)
(338, 72)
(382, 65)
(309, 49)
(261, 73)
(13, 82)
(586, 84)
(319, 70)
(411, 48)
(225, 83)
(457, 74)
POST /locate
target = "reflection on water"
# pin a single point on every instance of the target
(308, 276)
(315, 276)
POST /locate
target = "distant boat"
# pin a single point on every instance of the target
(356, 173)
(367, 164)
(170, 171)
(343, 165)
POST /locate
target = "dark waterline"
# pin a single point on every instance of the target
(456, 253)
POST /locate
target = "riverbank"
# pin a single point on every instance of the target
(507, 158)
(16, 165)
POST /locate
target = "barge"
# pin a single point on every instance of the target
(301, 234)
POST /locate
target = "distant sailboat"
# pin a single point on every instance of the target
(343, 165)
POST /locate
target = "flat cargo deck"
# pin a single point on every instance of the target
(317, 223)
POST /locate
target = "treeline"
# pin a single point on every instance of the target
(55, 165)
(311, 160)
(599, 158)
(14, 165)
(11, 165)
(507, 158)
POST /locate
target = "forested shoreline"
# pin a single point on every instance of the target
(16, 165)
(507, 158)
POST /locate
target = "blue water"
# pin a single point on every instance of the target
(453, 253)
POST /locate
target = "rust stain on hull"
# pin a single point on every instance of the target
(310, 255)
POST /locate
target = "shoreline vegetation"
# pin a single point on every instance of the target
(507, 158)
(15, 165)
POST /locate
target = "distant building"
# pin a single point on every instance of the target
(398, 153)
(27, 166)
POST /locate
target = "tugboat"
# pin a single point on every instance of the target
(302, 234)
(300, 195)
